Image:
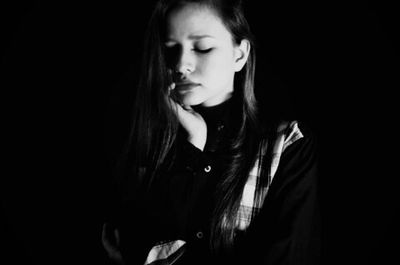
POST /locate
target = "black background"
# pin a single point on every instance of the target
(67, 82)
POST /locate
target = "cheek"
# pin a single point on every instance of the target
(218, 67)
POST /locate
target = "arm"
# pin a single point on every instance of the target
(287, 228)
(191, 159)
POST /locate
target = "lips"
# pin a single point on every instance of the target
(186, 86)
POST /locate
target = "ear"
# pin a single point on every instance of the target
(241, 54)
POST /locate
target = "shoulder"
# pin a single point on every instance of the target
(291, 129)
(299, 146)
(288, 133)
(294, 165)
(297, 137)
(295, 132)
(292, 146)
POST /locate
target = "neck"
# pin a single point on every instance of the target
(216, 113)
(218, 99)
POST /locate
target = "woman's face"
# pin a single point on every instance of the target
(202, 54)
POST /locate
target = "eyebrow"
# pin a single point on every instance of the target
(194, 37)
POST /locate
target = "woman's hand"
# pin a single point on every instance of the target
(190, 120)
(110, 241)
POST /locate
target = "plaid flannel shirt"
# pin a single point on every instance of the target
(166, 253)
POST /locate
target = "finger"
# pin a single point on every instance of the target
(171, 88)
(111, 250)
(173, 104)
(116, 234)
(187, 107)
(180, 109)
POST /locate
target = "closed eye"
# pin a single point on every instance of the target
(203, 51)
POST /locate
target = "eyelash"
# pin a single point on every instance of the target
(203, 51)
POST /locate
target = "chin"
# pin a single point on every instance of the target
(192, 100)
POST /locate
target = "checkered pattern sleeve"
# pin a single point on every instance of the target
(284, 227)
(253, 193)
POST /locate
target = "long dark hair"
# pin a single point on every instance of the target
(155, 126)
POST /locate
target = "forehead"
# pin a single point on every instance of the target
(195, 20)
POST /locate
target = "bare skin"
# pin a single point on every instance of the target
(191, 121)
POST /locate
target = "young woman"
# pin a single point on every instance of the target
(206, 179)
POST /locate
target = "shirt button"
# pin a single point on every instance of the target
(199, 235)
(207, 169)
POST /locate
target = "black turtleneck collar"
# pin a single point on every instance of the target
(218, 120)
(215, 115)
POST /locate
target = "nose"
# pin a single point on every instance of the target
(185, 63)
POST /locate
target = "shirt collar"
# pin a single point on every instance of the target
(218, 119)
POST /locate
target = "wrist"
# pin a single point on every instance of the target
(198, 141)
